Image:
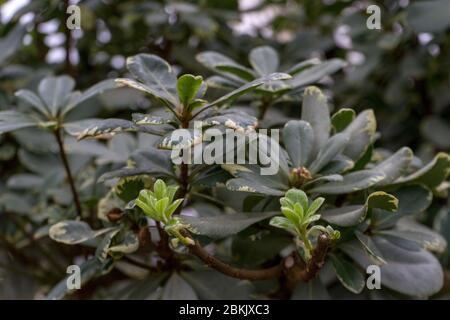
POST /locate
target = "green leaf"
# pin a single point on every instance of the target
(315, 111)
(177, 288)
(329, 151)
(409, 269)
(301, 66)
(342, 118)
(225, 287)
(225, 225)
(431, 175)
(13, 120)
(101, 252)
(298, 138)
(394, 166)
(352, 182)
(153, 162)
(89, 269)
(11, 42)
(362, 133)
(155, 74)
(428, 16)
(106, 127)
(382, 200)
(407, 228)
(94, 90)
(311, 290)
(247, 185)
(247, 88)
(222, 64)
(315, 73)
(350, 277)
(345, 216)
(74, 232)
(55, 92)
(370, 247)
(187, 87)
(411, 200)
(34, 100)
(129, 244)
(128, 189)
(437, 131)
(264, 60)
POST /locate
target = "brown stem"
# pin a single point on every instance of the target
(62, 153)
(68, 46)
(211, 261)
(265, 103)
(292, 268)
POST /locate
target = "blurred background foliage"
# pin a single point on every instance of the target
(401, 71)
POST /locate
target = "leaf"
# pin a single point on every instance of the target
(55, 92)
(315, 111)
(436, 131)
(94, 90)
(89, 269)
(225, 225)
(148, 119)
(354, 214)
(298, 138)
(345, 216)
(233, 119)
(341, 119)
(34, 100)
(11, 42)
(222, 64)
(301, 66)
(141, 289)
(264, 60)
(409, 229)
(150, 162)
(181, 139)
(224, 287)
(177, 288)
(409, 269)
(13, 120)
(129, 244)
(411, 200)
(106, 127)
(311, 290)
(370, 247)
(220, 82)
(315, 73)
(382, 200)
(329, 151)
(394, 166)
(431, 175)
(187, 87)
(429, 16)
(350, 277)
(362, 133)
(352, 182)
(246, 185)
(156, 75)
(101, 252)
(247, 88)
(74, 232)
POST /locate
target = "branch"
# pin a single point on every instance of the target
(292, 267)
(211, 261)
(62, 153)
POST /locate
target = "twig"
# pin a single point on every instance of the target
(62, 153)
(247, 274)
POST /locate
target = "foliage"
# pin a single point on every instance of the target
(88, 176)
